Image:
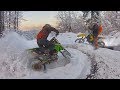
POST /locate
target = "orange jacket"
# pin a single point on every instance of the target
(40, 35)
(43, 34)
(100, 30)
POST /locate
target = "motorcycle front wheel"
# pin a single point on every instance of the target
(80, 40)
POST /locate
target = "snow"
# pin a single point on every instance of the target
(65, 38)
(113, 40)
(107, 62)
(69, 71)
(14, 59)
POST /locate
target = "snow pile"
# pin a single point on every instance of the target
(11, 48)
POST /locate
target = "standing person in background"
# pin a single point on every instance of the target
(96, 29)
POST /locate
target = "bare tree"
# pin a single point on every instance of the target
(94, 16)
(16, 20)
(111, 21)
(65, 18)
(12, 19)
(70, 21)
(9, 20)
(9, 24)
(1, 22)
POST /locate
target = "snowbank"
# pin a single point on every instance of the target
(11, 58)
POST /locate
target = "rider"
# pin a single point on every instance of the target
(42, 41)
(96, 30)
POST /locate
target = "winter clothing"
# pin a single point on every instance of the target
(97, 30)
(42, 41)
(100, 30)
(46, 30)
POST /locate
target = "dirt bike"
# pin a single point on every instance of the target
(90, 40)
(40, 59)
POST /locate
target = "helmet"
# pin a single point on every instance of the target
(47, 25)
(90, 23)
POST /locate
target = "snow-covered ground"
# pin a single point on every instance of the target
(14, 59)
(113, 40)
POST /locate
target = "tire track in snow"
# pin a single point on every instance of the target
(86, 67)
(84, 72)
